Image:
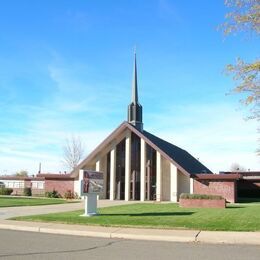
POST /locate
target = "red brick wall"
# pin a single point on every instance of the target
(27, 184)
(35, 192)
(59, 185)
(202, 203)
(224, 188)
(38, 192)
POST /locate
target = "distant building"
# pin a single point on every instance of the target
(40, 184)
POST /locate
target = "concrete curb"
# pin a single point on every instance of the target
(215, 237)
(156, 234)
(229, 237)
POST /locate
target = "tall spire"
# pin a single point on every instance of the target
(134, 83)
(135, 110)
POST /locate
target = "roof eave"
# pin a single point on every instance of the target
(119, 129)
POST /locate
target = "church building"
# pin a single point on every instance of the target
(138, 165)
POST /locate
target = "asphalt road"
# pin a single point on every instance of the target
(29, 245)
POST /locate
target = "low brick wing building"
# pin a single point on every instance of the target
(229, 185)
(39, 184)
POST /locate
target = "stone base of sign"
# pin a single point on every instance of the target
(89, 215)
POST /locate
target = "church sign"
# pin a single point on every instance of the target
(91, 185)
(92, 182)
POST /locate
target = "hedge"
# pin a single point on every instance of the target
(52, 194)
(200, 196)
(5, 191)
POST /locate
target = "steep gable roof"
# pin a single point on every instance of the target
(179, 157)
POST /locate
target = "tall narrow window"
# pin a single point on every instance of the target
(150, 173)
(135, 167)
(108, 177)
(120, 170)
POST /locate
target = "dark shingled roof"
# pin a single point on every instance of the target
(180, 156)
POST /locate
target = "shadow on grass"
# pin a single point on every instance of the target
(151, 214)
(248, 200)
(235, 207)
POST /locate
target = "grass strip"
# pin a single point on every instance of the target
(236, 217)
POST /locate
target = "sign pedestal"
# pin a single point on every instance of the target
(90, 205)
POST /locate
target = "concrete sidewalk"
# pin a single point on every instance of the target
(215, 237)
(10, 212)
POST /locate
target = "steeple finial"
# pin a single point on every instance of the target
(135, 109)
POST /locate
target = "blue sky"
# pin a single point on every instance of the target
(66, 69)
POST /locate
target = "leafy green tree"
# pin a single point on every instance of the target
(244, 16)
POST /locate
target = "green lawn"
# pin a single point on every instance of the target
(21, 201)
(239, 217)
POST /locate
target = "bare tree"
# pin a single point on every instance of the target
(22, 173)
(73, 152)
(236, 167)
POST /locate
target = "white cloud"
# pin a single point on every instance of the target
(72, 108)
(215, 133)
